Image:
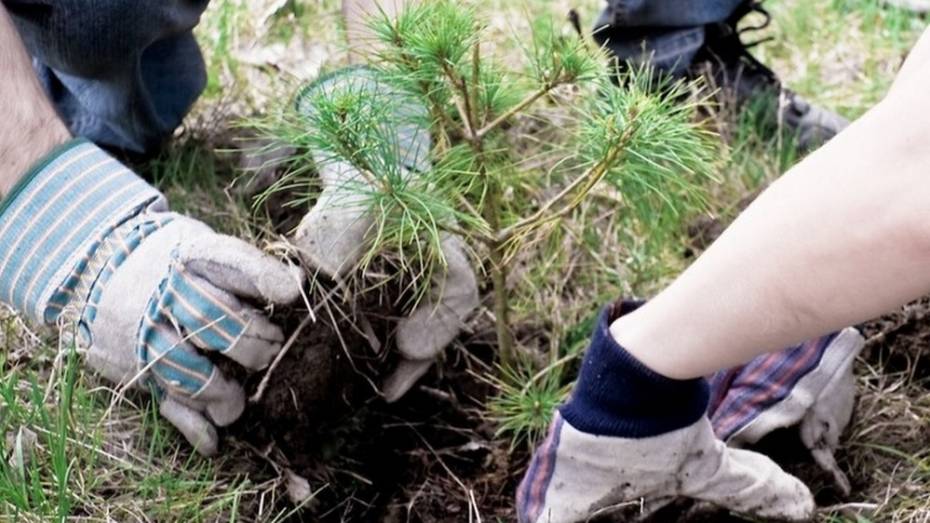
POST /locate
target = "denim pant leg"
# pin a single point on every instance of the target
(122, 73)
(663, 33)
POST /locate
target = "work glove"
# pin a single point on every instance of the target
(334, 235)
(810, 386)
(147, 293)
(629, 441)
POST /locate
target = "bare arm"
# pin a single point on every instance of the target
(842, 237)
(29, 128)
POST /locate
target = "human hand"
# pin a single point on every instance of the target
(151, 292)
(333, 236)
(576, 476)
(810, 385)
(630, 441)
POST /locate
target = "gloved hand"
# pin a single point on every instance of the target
(333, 235)
(86, 240)
(630, 440)
(810, 385)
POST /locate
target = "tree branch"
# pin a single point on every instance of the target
(460, 99)
(586, 181)
(510, 113)
(476, 79)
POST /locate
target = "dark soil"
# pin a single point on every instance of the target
(421, 458)
(432, 455)
(322, 416)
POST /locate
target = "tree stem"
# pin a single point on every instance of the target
(501, 305)
(460, 99)
(476, 82)
(496, 254)
(497, 250)
(498, 263)
(510, 113)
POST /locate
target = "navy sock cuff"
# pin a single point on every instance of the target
(616, 395)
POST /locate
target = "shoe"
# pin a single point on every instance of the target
(726, 62)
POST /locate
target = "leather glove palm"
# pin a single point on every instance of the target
(810, 386)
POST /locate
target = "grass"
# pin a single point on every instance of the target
(70, 449)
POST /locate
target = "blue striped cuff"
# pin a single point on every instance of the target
(51, 223)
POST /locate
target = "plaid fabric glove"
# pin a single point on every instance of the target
(810, 385)
(333, 235)
(87, 242)
(629, 441)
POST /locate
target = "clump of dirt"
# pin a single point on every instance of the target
(429, 457)
(897, 341)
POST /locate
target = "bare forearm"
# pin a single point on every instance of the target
(30, 128)
(842, 237)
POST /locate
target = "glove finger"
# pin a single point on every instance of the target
(216, 320)
(744, 481)
(825, 459)
(184, 373)
(259, 343)
(117, 366)
(403, 378)
(240, 268)
(224, 399)
(436, 322)
(192, 424)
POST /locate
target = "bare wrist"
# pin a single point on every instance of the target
(32, 143)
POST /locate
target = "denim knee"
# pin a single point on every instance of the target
(122, 73)
(90, 38)
(666, 13)
(663, 33)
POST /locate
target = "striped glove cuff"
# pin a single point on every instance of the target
(56, 218)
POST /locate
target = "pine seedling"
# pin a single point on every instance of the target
(525, 402)
(639, 138)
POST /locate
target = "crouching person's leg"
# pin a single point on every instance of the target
(122, 74)
(664, 34)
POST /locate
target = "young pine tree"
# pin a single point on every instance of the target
(637, 134)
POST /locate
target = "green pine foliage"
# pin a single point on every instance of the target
(631, 134)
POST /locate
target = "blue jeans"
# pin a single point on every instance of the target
(122, 73)
(664, 33)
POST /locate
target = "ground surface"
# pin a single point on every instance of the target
(73, 449)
